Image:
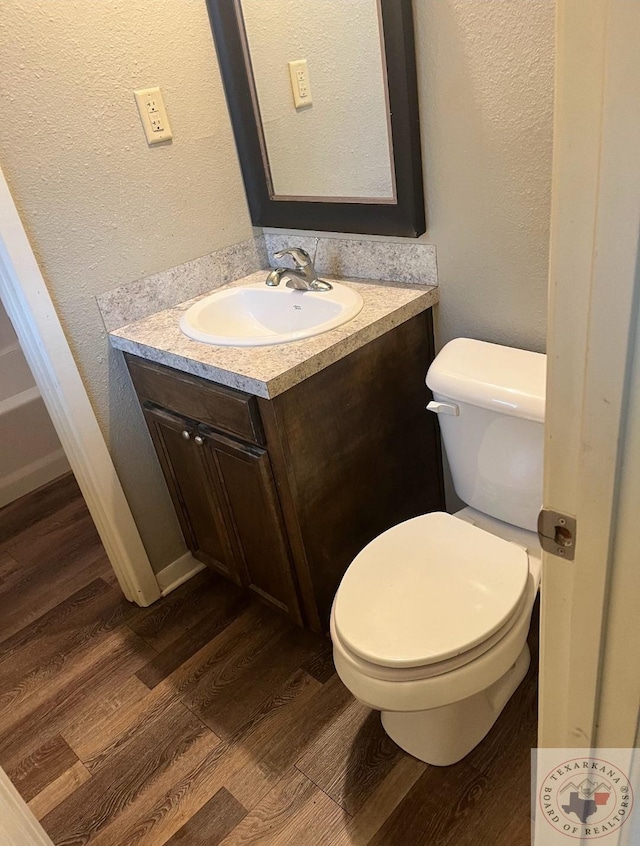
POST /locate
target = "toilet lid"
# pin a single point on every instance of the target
(427, 590)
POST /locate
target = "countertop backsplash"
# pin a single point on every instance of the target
(340, 257)
(144, 297)
(349, 256)
(267, 371)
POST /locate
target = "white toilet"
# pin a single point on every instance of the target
(430, 622)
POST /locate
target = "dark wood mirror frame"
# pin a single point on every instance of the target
(406, 216)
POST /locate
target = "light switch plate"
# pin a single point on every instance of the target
(153, 115)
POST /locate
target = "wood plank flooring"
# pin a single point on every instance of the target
(210, 719)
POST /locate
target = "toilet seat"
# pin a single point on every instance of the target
(439, 668)
(430, 592)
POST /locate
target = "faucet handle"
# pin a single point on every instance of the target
(301, 257)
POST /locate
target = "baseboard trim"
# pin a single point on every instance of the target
(178, 572)
(35, 475)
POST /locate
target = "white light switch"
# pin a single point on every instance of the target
(299, 73)
(153, 115)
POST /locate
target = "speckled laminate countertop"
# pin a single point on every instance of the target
(267, 371)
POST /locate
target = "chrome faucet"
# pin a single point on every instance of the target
(303, 278)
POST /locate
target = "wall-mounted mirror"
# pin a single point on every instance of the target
(323, 100)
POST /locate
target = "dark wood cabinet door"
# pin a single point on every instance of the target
(254, 513)
(196, 493)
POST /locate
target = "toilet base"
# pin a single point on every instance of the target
(443, 736)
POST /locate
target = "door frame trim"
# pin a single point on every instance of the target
(18, 824)
(28, 303)
(592, 317)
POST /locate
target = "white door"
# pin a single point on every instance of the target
(590, 649)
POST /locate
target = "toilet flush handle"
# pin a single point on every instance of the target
(444, 408)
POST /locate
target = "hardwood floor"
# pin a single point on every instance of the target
(208, 718)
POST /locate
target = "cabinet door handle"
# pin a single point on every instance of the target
(199, 440)
(186, 434)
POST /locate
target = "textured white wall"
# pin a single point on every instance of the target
(485, 73)
(100, 207)
(485, 77)
(339, 146)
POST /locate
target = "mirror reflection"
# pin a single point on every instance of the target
(320, 95)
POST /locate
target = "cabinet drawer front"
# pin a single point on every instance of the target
(221, 408)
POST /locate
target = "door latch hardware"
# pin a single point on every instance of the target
(557, 533)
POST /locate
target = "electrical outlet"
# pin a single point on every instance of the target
(153, 115)
(300, 86)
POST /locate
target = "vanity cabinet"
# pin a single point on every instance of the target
(225, 497)
(280, 494)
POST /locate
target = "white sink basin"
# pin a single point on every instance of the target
(255, 315)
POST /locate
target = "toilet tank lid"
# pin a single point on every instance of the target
(502, 379)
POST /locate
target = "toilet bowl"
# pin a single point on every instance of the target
(440, 708)
(430, 622)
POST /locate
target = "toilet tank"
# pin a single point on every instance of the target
(492, 423)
